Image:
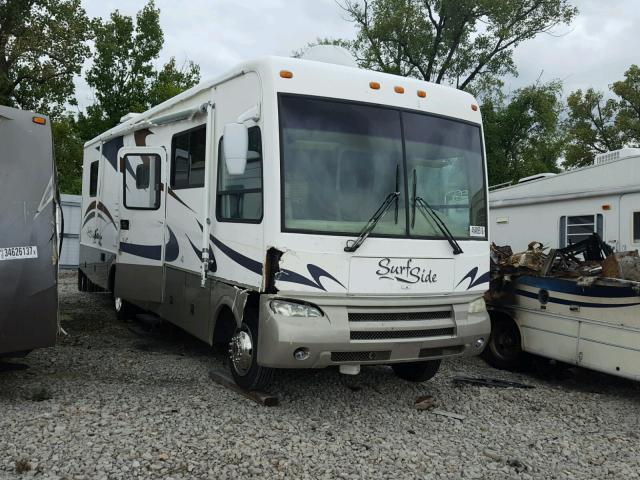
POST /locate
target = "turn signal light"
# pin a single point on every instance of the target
(374, 85)
(422, 93)
(39, 120)
(398, 89)
(474, 107)
(286, 74)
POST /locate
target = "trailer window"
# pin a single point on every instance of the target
(575, 228)
(636, 227)
(187, 154)
(141, 182)
(239, 197)
(93, 179)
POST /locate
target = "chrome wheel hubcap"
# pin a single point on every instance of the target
(240, 351)
(118, 304)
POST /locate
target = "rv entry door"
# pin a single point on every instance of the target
(143, 237)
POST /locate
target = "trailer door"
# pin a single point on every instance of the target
(143, 239)
(629, 222)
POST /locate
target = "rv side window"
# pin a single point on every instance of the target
(187, 158)
(141, 188)
(575, 228)
(636, 227)
(93, 179)
(239, 197)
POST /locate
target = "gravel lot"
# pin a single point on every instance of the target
(107, 403)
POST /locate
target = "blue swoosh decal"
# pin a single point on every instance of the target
(563, 301)
(473, 281)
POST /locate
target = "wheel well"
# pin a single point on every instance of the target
(112, 279)
(225, 326)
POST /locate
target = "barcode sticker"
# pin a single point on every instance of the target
(476, 231)
(18, 253)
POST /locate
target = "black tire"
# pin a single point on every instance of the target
(82, 281)
(253, 376)
(124, 310)
(504, 349)
(416, 371)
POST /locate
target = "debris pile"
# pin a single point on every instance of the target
(588, 261)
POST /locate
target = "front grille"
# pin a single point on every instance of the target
(360, 356)
(393, 334)
(398, 316)
(439, 352)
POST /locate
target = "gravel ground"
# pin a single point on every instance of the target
(107, 403)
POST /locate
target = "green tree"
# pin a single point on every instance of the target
(123, 75)
(523, 133)
(67, 146)
(591, 127)
(42, 47)
(628, 119)
(464, 43)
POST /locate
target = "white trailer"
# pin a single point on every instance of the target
(594, 323)
(558, 210)
(304, 213)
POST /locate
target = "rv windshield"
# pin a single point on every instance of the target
(340, 160)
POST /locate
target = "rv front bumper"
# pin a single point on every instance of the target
(370, 333)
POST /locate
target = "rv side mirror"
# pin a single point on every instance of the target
(235, 146)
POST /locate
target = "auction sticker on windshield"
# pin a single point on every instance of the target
(18, 253)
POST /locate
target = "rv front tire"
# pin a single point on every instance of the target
(416, 371)
(243, 357)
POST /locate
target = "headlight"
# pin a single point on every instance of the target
(293, 309)
(477, 306)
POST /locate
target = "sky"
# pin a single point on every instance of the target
(594, 51)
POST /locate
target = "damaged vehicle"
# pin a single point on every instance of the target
(30, 237)
(578, 304)
(301, 213)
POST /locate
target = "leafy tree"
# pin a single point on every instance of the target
(42, 47)
(458, 42)
(591, 126)
(67, 146)
(523, 133)
(628, 119)
(172, 80)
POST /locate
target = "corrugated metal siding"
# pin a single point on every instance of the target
(71, 208)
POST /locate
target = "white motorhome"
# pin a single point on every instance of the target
(304, 213)
(558, 210)
(591, 322)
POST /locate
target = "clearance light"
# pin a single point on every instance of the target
(606, 206)
(398, 89)
(39, 120)
(422, 94)
(374, 85)
(286, 74)
(474, 107)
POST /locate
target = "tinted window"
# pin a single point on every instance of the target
(239, 197)
(188, 153)
(636, 227)
(93, 179)
(575, 228)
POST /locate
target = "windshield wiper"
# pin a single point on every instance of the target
(431, 215)
(353, 245)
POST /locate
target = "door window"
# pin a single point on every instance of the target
(141, 181)
(239, 197)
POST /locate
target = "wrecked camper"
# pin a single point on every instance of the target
(579, 304)
(28, 234)
(301, 213)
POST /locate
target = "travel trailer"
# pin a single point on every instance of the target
(29, 234)
(588, 317)
(301, 213)
(558, 210)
